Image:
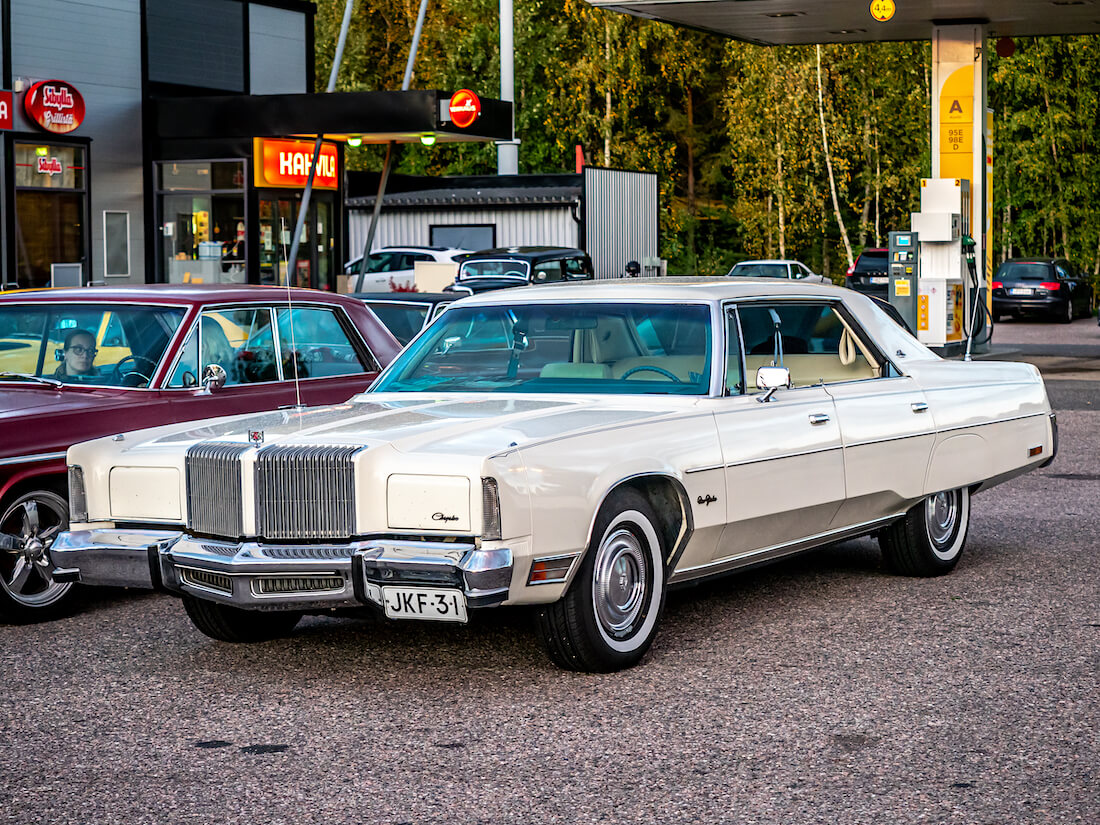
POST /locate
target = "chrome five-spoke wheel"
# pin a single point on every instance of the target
(28, 527)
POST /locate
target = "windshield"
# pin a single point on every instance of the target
(85, 343)
(402, 320)
(760, 270)
(494, 268)
(1024, 272)
(560, 348)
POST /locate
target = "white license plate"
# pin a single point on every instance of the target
(426, 603)
(879, 279)
(1019, 290)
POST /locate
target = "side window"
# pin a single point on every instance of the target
(576, 268)
(313, 344)
(811, 340)
(1063, 275)
(187, 372)
(735, 384)
(546, 272)
(240, 341)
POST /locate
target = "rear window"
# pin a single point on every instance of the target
(1033, 271)
(871, 261)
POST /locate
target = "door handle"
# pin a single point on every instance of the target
(819, 418)
(919, 407)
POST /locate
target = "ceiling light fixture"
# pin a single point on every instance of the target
(355, 140)
(428, 139)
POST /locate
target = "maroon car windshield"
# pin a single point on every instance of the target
(90, 344)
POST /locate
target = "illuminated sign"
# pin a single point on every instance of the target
(54, 105)
(285, 164)
(48, 166)
(465, 108)
(5, 110)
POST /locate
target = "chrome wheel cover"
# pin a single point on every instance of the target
(941, 519)
(620, 582)
(25, 573)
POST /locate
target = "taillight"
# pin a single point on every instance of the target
(851, 269)
(1053, 286)
(998, 285)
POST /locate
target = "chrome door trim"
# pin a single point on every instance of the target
(30, 459)
(767, 554)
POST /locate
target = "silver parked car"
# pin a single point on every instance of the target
(787, 269)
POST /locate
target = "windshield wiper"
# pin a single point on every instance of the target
(49, 382)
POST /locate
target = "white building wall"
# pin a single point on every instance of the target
(540, 226)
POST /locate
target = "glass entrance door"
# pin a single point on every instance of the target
(316, 246)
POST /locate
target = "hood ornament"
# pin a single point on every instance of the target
(256, 436)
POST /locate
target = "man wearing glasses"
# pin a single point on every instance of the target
(79, 353)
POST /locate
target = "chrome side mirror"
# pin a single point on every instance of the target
(770, 379)
(213, 378)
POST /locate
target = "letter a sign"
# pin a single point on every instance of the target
(882, 10)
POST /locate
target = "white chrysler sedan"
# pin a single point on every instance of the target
(576, 448)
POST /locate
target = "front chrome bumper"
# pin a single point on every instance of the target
(280, 576)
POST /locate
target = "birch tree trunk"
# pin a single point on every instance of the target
(607, 94)
(779, 197)
(829, 163)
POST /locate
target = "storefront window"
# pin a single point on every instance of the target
(50, 210)
(203, 223)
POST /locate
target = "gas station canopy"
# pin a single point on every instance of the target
(791, 22)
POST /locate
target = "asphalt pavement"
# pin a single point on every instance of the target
(818, 690)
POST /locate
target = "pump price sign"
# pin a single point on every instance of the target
(882, 10)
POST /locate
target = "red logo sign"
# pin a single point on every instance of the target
(5, 110)
(54, 105)
(287, 162)
(49, 166)
(465, 108)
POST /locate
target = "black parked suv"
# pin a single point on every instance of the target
(869, 274)
(519, 266)
(1044, 286)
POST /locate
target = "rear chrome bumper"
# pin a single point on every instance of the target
(280, 576)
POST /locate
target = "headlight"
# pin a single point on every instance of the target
(490, 510)
(78, 499)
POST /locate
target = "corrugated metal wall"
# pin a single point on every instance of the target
(620, 217)
(541, 226)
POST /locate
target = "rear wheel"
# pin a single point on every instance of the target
(607, 619)
(28, 526)
(232, 624)
(930, 539)
(1065, 316)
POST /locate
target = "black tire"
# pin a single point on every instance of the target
(28, 592)
(996, 317)
(931, 537)
(607, 622)
(232, 624)
(1065, 316)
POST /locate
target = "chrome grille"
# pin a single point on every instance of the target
(214, 489)
(305, 492)
(268, 585)
(207, 579)
(309, 552)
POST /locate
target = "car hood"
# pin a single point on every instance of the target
(17, 400)
(470, 425)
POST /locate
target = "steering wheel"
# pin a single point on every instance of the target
(660, 370)
(118, 376)
(515, 273)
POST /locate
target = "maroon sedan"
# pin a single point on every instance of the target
(77, 364)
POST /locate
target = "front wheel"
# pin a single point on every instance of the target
(232, 624)
(607, 619)
(929, 540)
(29, 525)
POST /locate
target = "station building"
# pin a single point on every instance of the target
(146, 141)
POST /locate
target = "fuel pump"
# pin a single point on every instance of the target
(944, 287)
(904, 272)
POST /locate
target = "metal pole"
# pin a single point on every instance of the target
(507, 153)
(303, 208)
(392, 150)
